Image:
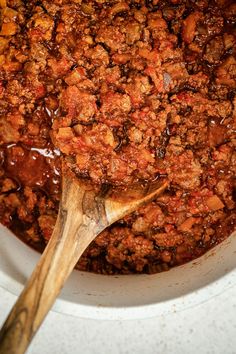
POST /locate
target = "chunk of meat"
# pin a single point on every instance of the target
(188, 176)
(214, 50)
(111, 37)
(171, 239)
(226, 72)
(157, 77)
(79, 106)
(42, 29)
(138, 89)
(98, 55)
(133, 32)
(150, 216)
(119, 7)
(113, 105)
(10, 127)
(190, 25)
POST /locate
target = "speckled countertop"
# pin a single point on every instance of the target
(207, 328)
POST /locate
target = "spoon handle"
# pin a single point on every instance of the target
(54, 267)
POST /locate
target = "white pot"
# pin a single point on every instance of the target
(128, 296)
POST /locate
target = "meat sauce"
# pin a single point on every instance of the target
(124, 92)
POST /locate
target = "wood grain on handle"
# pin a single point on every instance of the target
(54, 267)
(82, 216)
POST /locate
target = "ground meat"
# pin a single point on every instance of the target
(190, 174)
(125, 92)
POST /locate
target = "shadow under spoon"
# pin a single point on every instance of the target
(83, 214)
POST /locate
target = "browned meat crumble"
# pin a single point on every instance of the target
(126, 91)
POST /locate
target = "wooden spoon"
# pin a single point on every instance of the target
(82, 216)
